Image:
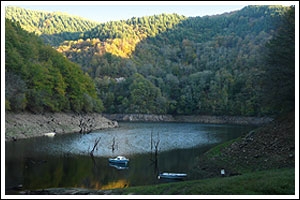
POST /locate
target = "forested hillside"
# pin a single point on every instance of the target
(178, 65)
(53, 27)
(39, 79)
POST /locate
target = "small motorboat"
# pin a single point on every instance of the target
(119, 160)
(176, 176)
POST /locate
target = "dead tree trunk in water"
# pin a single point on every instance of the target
(156, 149)
(97, 140)
(151, 142)
(155, 146)
(113, 145)
(155, 160)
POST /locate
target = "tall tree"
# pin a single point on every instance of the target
(279, 79)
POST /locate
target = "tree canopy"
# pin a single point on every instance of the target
(279, 77)
(39, 79)
(172, 64)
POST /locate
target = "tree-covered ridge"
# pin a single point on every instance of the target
(177, 65)
(119, 38)
(47, 22)
(135, 27)
(60, 25)
(202, 65)
(39, 79)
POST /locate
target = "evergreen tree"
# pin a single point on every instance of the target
(279, 79)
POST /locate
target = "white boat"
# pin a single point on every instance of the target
(51, 134)
(178, 176)
(119, 160)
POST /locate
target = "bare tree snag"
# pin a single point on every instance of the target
(97, 140)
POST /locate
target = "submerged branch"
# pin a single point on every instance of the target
(97, 140)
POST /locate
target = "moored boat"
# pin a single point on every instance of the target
(51, 134)
(166, 175)
(119, 160)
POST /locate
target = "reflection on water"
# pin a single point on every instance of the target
(119, 166)
(115, 184)
(131, 139)
(65, 161)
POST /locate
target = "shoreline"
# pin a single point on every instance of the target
(26, 125)
(263, 149)
(207, 119)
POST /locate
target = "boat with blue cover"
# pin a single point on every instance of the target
(167, 175)
(119, 160)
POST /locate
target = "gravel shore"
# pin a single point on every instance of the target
(26, 125)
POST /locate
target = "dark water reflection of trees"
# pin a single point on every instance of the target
(65, 161)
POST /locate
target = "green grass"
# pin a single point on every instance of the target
(270, 182)
(216, 151)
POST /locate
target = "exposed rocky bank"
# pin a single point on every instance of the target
(271, 146)
(190, 118)
(26, 125)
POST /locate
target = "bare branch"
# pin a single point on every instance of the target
(97, 140)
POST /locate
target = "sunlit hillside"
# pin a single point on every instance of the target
(172, 64)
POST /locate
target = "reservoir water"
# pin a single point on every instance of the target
(65, 160)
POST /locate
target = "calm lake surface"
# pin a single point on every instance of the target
(65, 161)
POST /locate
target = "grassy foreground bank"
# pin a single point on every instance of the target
(268, 182)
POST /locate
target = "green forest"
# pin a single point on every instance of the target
(40, 79)
(237, 63)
